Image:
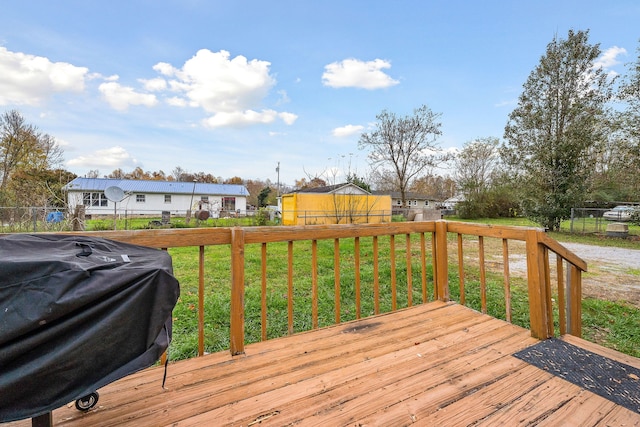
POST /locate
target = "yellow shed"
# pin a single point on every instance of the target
(335, 204)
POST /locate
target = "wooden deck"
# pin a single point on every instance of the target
(433, 364)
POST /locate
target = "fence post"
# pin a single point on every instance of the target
(572, 217)
(539, 303)
(441, 276)
(237, 291)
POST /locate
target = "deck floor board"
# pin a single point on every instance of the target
(433, 364)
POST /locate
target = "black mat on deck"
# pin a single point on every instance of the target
(618, 382)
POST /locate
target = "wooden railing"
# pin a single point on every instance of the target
(437, 266)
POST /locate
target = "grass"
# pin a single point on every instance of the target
(564, 235)
(217, 289)
(607, 323)
(612, 324)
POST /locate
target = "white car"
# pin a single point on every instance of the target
(619, 213)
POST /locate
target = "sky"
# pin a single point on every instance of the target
(236, 88)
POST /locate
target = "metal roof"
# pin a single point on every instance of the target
(332, 189)
(163, 187)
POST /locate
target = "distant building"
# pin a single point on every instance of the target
(154, 197)
(335, 204)
(452, 202)
(413, 200)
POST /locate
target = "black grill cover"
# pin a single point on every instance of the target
(77, 313)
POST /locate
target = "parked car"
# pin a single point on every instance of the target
(619, 213)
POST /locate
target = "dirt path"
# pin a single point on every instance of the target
(614, 273)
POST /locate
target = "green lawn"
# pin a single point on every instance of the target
(614, 318)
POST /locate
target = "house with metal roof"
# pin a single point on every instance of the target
(105, 196)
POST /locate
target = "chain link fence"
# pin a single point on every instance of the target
(592, 220)
(33, 219)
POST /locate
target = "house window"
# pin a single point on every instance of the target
(94, 199)
(399, 202)
(167, 198)
(204, 199)
(229, 203)
(140, 198)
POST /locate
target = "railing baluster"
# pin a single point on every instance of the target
(461, 270)
(356, 248)
(507, 279)
(237, 291)
(547, 285)
(442, 261)
(423, 266)
(314, 283)
(409, 278)
(336, 277)
(392, 257)
(263, 294)
(290, 287)
(434, 263)
(562, 308)
(201, 301)
(376, 278)
(483, 275)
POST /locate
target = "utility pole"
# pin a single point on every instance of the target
(278, 184)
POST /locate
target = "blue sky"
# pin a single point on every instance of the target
(232, 88)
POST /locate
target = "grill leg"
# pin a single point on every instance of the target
(44, 420)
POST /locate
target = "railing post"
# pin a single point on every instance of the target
(237, 291)
(441, 276)
(539, 300)
(574, 301)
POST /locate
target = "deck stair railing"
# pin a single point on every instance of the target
(439, 247)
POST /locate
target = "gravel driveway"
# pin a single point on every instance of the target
(614, 273)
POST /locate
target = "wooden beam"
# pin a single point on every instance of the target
(537, 295)
(237, 291)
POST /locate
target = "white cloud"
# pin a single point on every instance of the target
(154, 85)
(247, 118)
(177, 101)
(347, 130)
(121, 97)
(29, 80)
(609, 57)
(356, 73)
(114, 157)
(288, 118)
(231, 89)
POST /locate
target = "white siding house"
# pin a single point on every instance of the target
(413, 200)
(154, 197)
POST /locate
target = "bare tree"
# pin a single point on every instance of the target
(403, 147)
(25, 155)
(474, 166)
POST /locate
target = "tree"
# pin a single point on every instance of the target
(629, 93)
(25, 155)
(403, 147)
(551, 132)
(620, 160)
(354, 179)
(436, 186)
(474, 167)
(263, 196)
(311, 183)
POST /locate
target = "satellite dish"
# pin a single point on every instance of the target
(113, 193)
